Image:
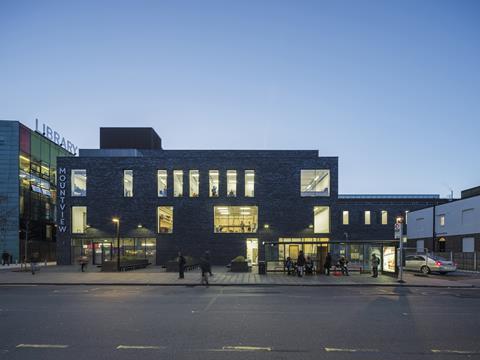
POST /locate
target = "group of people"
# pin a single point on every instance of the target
(205, 267)
(306, 266)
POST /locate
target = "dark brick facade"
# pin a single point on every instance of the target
(277, 195)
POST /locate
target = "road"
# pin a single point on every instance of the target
(126, 322)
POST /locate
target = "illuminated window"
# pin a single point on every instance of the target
(315, 183)
(79, 219)
(177, 183)
(79, 182)
(231, 183)
(127, 183)
(384, 217)
(321, 219)
(442, 220)
(214, 182)
(367, 217)
(249, 183)
(162, 183)
(165, 219)
(194, 182)
(235, 219)
(345, 217)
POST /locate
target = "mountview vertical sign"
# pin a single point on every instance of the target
(62, 184)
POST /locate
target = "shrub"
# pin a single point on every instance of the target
(239, 259)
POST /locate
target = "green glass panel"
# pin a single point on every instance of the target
(36, 146)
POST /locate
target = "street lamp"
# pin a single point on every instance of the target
(117, 223)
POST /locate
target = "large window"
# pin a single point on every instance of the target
(165, 219)
(321, 219)
(384, 217)
(315, 183)
(194, 182)
(128, 183)
(79, 182)
(249, 183)
(235, 219)
(177, 183)
(232, 183)
(79, 219)
(345, 217)
(214, 182)
(367, 216)
(162, 183)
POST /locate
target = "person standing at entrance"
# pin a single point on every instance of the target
(375, 263)
(300, 263)
(209, 260)
(328, 264)
(181, 266)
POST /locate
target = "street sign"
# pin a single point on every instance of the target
(398, 230)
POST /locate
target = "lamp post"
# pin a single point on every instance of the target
(117, 223)
(399, 223)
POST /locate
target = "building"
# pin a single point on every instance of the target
(230, 202)
(453, 226)
(28, 163)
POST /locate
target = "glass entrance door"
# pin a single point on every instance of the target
(102, 252)
(252, 251)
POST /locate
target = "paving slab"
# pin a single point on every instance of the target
(156, 276)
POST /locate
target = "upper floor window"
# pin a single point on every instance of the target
(249, 183)
(214, 182)
(315, 182)
(194, 182)
(345, 217)
(79, 182)
(406, 216)
(162, 183)
(177, 183)
(321, 219)
(79, 219)
(384, 217)
(442, 220)
(127, 183)
(165, 219)
(235, 219)
(232, 183)
(367, 216)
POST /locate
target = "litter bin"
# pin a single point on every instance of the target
(262, 268)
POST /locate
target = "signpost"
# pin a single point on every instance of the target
(398, 227)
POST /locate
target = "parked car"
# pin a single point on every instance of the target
(428, 263)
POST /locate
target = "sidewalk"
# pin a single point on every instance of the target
(156, 276)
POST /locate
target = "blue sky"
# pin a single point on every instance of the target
(391, 87)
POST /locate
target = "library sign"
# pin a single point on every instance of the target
(56, 137)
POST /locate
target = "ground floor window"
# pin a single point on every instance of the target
(99, 250)
(235, 219)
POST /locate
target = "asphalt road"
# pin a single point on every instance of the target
(126, 322)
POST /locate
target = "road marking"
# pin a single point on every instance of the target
(246, 348)
(139, 347)
(446, 351)
(327, 349)
(42, 346)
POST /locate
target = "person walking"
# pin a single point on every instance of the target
(375, 263)
(300, 263)
(289, 265)
(83, 263)
(204, 267)
(328, 264)
(181, 266)
(209, 260)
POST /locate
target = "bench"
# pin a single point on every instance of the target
(125, 265)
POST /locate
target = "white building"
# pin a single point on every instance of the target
(457, 225)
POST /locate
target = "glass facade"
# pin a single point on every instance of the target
(38, 194)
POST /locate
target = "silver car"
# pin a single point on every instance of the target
(428, 263)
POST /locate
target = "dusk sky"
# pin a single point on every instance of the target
(390, 87)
